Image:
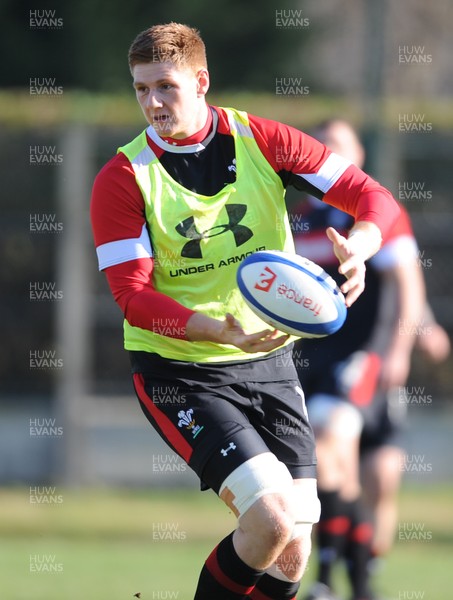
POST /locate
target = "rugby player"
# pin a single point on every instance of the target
(173, 213)
(354, 385)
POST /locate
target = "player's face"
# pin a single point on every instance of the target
(171, 99)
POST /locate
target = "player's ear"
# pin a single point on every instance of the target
(202, 82)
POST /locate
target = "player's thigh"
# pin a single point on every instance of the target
(382, 469)
(280, 417)
(331, 416)
(382, 456)
(337, 425)
(204, 425)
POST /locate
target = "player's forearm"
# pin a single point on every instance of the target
(200, 328)
(365, 239)
(141, 304)
(400, 310)
(377, 205)
(365, 199)
(412, 302)
(386, 322)
(157, 312)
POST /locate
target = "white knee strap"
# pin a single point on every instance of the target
(307, 508)
(258, 476)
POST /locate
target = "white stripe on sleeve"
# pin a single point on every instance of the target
(329, 173)
(399, 251)
(115, 253)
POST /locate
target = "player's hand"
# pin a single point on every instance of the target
(352, 265)
(263, 341)
(200, 328)
(395, 369)
(435, 344)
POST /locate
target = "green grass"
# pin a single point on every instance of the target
(110, 544)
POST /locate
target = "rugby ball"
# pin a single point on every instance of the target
(291, 293)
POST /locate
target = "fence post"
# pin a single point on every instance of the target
(74, 253)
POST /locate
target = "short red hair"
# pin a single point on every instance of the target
(172, 42)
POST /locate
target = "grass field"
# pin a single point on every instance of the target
(112, 544)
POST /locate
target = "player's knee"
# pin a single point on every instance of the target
(259, 492)
(391, 470)
(388, 471)
(293, 560)
(268, 503)
(270, 519)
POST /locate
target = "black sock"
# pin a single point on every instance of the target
(270, 588)
(375, 562)
(358, 551)
(332, 531)
(225, 576)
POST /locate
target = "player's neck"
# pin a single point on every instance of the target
(198, 136)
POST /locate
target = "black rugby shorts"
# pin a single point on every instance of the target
(217, 416)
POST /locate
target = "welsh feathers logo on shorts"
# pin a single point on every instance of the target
(186, 420)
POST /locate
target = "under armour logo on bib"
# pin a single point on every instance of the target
(188, 229)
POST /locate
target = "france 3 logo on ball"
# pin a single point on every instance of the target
(291, 293)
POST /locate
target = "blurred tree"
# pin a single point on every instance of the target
(28, 51)
(89, 51)
(345, 40)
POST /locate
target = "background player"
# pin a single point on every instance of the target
(355, 406)
(200, 185)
